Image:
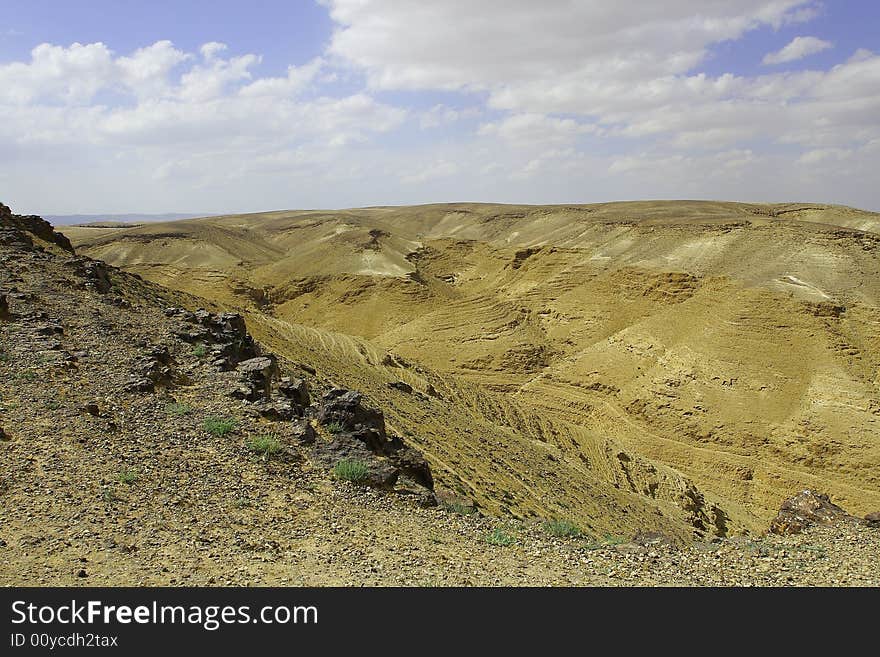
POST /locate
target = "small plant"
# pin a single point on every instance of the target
(266, 445)
(178, 409)
(614, 539)
(127, 476)
(53, 405)
(4, 356)
(28, 375)
(334, 427)
(242, 503)
(499, 537)
(200, 350)
(351, 470)
(563, 529)
(108, 496)
(219, 426)
(459, 507)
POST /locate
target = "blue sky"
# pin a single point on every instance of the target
(225, 106)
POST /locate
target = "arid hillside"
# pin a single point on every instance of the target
(692, 363)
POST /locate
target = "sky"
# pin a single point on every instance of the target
(119, 106)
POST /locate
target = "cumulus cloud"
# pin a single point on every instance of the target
(798, 48)
(538, 102)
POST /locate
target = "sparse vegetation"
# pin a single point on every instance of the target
(459, 507)
(563, 529)
(219, 426)
(334, 427)
(266, 445)
(4, 356)
(28, 375)
(614, 539)
(499, 537)
(351, 470)
(200, 350)
(178, 409)
(128, 476)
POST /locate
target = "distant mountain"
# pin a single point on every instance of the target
(72, 219)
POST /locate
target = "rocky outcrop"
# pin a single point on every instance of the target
(257, 375)
(872, 519)
(358, 434)
(154, 367)
(296, 390)
(224, 335)
(36, 226)
(95, 274)
(806, 509)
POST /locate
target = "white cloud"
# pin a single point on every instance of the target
(798, 48)
(573, 101)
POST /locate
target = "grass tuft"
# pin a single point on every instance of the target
(499, 537)
(178, 409)
(266, 445)
(334, 427)
(127, 476)
(351, 470)
(563, 529)
(219, 426)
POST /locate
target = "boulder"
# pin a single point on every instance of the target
(358, 432)
(3, 435)
(872, 519)
(4, 307)
(346, 409)
(403, 386)
(295, 390)
(807, 509)
(257, 375)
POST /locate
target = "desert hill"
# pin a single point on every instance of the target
(691, 362)
(147, 438)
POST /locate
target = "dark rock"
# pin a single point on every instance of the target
(871, 520)
(51, 329)
(95, 273)
(296, 390)
(3, 435)
(257, 375)
(36, 226)
(346, 408)
(82, 573)
(403, 386)
(4, 307)
(361, 435)
(308, 369)
(92, 409)
(277, 411)
(303, 432)
(806, 509)
(225, 333)
(139, 384)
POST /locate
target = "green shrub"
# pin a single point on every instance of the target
(351, 470)
(127, 476)
(459, 507)
(219, 426)
(200, 350)
(266, 445)
(499, 537)
(334, 427)
(563, 529)
(178, 409)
